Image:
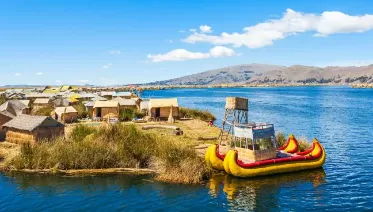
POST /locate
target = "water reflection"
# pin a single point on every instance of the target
(49, 184)
(264, 192)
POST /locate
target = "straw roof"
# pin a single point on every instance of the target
(163, 102)
(89, 104)
(99, 98)
(125, 102)
(126, 94)
(65, 87)
(30, 123)
(39, 95)
(12, 108)
(106, 104)
(107, 93)
(62, 110)
(41, 101)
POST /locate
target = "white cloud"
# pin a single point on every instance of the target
(182, 54)
(18, 74)
(292, 23)
(192, 30)
(205, 29)
(181, 31)
(39, 73)
(115, 52)
(107, 66)
(170, 41)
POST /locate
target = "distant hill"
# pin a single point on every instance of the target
(230, 74)
(262, 73)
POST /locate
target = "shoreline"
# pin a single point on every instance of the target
(78, 172)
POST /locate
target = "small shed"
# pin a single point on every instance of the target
(104, 109)
(161, 108)
(65, 114)
(32, 129)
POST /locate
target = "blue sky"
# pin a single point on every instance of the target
(122, 42)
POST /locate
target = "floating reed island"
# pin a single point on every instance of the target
(119, 148)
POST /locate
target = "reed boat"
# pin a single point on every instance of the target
(254, 153)
(250, 149)
(282, 163)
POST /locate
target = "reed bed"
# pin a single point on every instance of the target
(203, 115)
(116, 146)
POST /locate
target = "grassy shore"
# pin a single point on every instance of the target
(122, 148)
(119, 148)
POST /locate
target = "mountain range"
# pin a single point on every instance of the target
(274, 74)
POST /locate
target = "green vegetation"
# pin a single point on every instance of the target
(281, 139)
(128, 114)
(2, 100)
(115, 146)
(44, 111)
(82, 111)
(203, 115)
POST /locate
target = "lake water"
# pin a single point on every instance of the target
(340, 117)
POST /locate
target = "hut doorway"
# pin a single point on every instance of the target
(157, 112)
(98, 112)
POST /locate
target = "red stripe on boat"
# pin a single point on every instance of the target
(278, 160)
(221, 157)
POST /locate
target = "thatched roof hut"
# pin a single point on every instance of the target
(161, 108)
(32, 129)
(65, 114)
(103, 108)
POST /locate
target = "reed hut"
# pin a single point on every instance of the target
(32, 129)
(65, 114)
(161, 108)
(106, 109)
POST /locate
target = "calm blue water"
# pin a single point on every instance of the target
(340, 117)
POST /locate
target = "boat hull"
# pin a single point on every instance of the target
(313, 159)
(213, 158)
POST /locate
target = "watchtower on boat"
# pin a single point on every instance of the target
(236, 113)
(252, 141)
